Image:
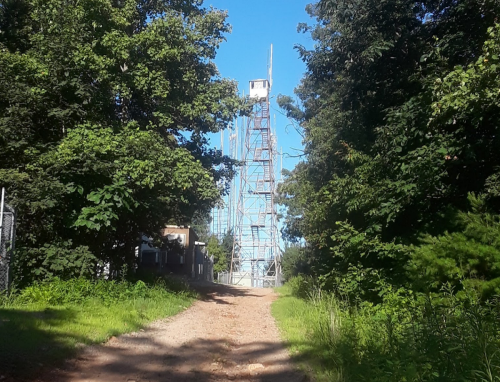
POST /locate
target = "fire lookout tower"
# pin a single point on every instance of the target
(256, 254)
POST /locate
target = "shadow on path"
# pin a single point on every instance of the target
(25, 347)
(198, 360)
(207, 346)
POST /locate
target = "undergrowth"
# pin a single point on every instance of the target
(47, 322)
(407, 337)
(77, 291)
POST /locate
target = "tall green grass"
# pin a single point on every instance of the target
(406, 338)
(45, 323)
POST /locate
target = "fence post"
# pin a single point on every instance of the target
(2, 202)
(7, 238)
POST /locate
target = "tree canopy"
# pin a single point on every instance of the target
(104, 110)
(399, 109)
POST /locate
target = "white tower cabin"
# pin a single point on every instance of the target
(259, 89)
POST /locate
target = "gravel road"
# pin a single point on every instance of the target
(229, 335)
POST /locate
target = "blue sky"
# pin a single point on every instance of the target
(256, 25)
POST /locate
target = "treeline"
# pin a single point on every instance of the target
(105, 106)
(400, 182)
(394, 213)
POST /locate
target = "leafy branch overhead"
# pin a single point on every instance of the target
(399, 108)
(104, 111)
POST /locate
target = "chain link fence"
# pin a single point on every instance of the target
(7, 237)
(223, 277)
(246, 279)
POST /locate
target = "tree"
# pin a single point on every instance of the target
(465, 114)
(395, 136)
(469, 257)
(221, 252)
(294, 261)
(103, 129)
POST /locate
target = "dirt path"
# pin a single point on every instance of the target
(229, 335)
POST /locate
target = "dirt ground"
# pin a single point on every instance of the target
(229, 335)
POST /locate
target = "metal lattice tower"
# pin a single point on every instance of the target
(256, 253)
(223, 216)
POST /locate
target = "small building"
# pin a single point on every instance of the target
(181, 254)
(150, 257)
(259, 89)
(181, 246)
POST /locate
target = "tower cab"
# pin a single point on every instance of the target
(259, 89)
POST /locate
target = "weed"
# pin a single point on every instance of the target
(408, 337)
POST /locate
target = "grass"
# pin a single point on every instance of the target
(407, 337)
(47, 328)
(297, 323)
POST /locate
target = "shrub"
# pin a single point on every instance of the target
(295, 261)
(62, 261)
(302, 286)
(470, 257)
(77, 291)
(441, 337)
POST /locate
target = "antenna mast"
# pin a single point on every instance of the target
(271, 71)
